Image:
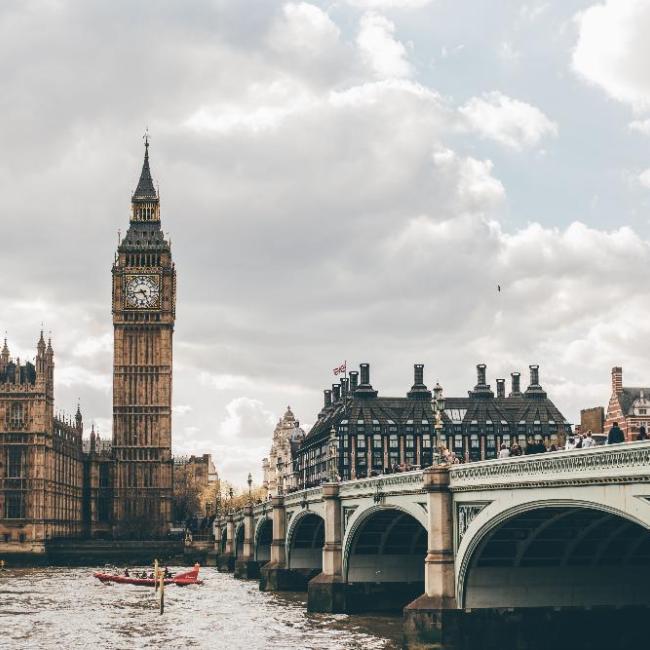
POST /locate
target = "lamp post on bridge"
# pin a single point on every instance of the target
(438, 407)
(250, 484)
(333, 452)
(279, 467)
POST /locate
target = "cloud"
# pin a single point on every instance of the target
(321, 205)
(644, 178)
(382, 53)
(641, 126)
(508, 121)
(613, 49)
(390, 4)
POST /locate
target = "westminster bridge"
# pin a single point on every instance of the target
(500, 544)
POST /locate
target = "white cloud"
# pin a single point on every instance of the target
(644, 178)
(246, 420)
(641, 126)
(613, 49)
(508, 52)
(510, 122)
(381, 51)
(390, 4)
(306, 30)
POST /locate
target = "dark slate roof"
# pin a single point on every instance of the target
(145, 191)
(629, 395)
(27, 374)
(144, 236)
(477, 408)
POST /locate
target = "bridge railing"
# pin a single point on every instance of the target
(392, 483)
(624, 462)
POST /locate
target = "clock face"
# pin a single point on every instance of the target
(142, 292)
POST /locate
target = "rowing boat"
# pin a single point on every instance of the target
(181, 579)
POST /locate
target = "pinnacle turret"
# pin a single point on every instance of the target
(145, 191)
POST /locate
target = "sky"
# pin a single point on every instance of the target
(344, 180)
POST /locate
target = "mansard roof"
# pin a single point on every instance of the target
(479, 408)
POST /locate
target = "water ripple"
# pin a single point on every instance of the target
(48, 608)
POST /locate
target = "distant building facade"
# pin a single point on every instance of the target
(41, 465)
(197, 470)
(287, 438)
(373, 434)
(592, 419)
(628, 405)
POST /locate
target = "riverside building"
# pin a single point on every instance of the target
(371, 434)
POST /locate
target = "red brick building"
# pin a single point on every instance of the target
(629, 406)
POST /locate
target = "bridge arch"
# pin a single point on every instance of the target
(383, 560)
(263, 539)
(557, 553)
(305, 540)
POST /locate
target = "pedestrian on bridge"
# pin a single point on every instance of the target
(615, 435)
(504, 452)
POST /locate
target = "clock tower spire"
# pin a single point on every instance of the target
(144, 312)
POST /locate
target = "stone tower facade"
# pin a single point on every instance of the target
(144, 311)
(41, 468)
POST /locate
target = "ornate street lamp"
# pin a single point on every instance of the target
(230, 494)
(333, 449)
(280, 467)
(438, 405)
(250, 484)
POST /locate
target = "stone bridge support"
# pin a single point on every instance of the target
(226, 560)
(326, 592)
(274, 575)
(213, 555)
(431, 621)
(246, 567)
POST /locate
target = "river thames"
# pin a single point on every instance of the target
(46, 608)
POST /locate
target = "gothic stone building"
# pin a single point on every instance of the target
(41, 466)
(628, 405)
(374, 433)
(50, 485)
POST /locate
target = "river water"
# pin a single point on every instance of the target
(66, 608)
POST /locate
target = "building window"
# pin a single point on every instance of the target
(376, 441)
(14, 462)
(361, 441)
(393, 441)
(17, 415)
(14, 505)
(642, 411)
(426, 442)
(410, 442)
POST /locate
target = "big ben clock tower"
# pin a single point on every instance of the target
(144, 310)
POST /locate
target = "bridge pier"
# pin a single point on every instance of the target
(226, 561)
(326, 592)
(247, 568)
(212, 557)
(274, 575)
(433, 619)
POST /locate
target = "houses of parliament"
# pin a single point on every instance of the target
(53, 483)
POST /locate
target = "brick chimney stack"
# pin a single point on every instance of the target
(617, 380)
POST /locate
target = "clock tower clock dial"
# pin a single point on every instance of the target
(144, 312)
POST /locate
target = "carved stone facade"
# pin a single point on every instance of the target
(287, 438)
(144, 312)
(41, 468)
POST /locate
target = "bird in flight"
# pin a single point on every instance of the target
(499, 288)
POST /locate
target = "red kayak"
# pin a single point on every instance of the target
(181, 579)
